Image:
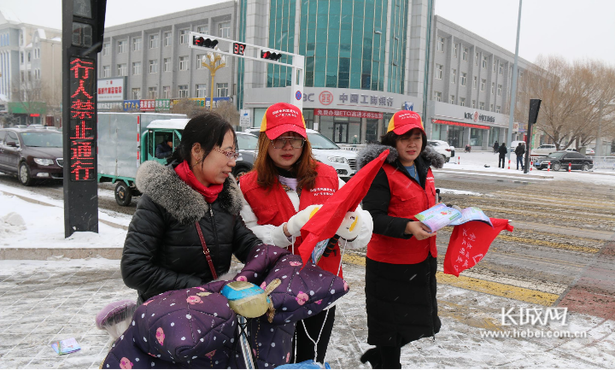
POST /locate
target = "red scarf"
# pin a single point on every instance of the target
(209, 192)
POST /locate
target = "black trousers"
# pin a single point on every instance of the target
(501, 162)
(305, 347)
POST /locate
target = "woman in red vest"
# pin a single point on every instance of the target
(400, 272)
(285, 188)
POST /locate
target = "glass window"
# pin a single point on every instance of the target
(452, 99)
(439, 71)
(152, 92)
(483, 82)
(183, 63)
(224, 29)
(453, 76)
(485, 62)
(481, 105)
(153, 66)
(499, 90)
(136, 68)
(106, 71)
(154, 41)
(122, 69)
(476, 58)
(475, 83)
(474, 104)
(136, 44)
(200, 58)
(167, 39)
(465, 54)
(183, 36)
(136, 93)
(203, 29)
(455, 50)
(106, 48)
(493, 87)
(440, 46)
(183, 91)
(166, 92)
(437, 95)
(464, 78)
(498, 109)
(201, 91)
(121, 46)
(166, 65)
(462, 102)
(222, 89)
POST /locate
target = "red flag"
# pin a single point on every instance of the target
(470, 242)
(329, 217)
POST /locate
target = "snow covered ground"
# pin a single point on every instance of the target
(29, 220)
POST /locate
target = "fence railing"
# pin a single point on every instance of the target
(604, 163)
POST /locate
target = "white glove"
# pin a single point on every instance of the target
(350, 227)
(296, 222)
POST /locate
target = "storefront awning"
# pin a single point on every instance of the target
(453, 123)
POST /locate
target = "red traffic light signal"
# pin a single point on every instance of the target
(206, 43)
(270, 55)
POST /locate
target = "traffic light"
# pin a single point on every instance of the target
(204, 42)
(270, 55)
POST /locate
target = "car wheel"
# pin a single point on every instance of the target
(556, 166)
(241, 170)
(123, 194)
(24, 175)
(585, 167)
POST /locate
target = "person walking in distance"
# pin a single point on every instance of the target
(502, 152)
(520, 151)
(496, 146)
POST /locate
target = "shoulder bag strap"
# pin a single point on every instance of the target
(206, 250)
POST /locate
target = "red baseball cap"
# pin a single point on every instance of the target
(283, 117)
(404, 121)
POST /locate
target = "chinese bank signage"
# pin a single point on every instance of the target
(336, 99)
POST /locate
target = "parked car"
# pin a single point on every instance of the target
(31, 154)
(247, 146)
(560, 160)
(443, 148)
(328, 152)
(544, 149)
(572, 150)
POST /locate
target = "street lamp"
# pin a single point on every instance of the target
(214, 62)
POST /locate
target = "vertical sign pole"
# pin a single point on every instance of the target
(82, 31)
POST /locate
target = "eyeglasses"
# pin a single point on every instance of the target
(229, 154)
(295, 142)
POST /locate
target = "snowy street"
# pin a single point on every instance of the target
(51, 288)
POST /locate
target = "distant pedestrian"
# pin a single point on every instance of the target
(496, 146)
(520, 151)
(502, 150)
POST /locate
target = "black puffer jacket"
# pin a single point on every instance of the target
(163, 251)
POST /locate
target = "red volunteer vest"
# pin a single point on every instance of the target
(407, 199)
(274, 207)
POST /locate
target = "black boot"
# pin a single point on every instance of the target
(373, 356)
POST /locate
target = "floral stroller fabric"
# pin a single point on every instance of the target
(197, 328)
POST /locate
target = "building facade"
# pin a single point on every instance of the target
(30, 71)
(470, 87)
(364, 60)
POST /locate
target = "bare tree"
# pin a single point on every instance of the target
(30, 95)
(228, 111)
(574, 98)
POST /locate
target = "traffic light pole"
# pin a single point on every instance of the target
(243, 50)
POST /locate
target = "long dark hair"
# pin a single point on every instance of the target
(304, 168)
(208, 130)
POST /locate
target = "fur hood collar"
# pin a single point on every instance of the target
(429, 156)
(166, 189)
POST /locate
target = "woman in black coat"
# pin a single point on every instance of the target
(195, 194)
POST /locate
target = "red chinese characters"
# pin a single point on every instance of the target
(82, 123)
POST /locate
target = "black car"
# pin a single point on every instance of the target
(561, 159)
(31, 154)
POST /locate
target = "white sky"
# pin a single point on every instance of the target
(572, 29)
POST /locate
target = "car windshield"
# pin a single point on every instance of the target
(317, 141)
(434, 143)
(247, 142)
(557, 155)
(42, 139)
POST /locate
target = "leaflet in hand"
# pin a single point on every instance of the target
(440, 215)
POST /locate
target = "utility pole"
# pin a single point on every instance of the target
(598, 137)
(513, 92)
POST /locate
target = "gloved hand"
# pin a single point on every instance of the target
(296, 222)
(350, 227)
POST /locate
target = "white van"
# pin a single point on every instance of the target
(514, 144)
